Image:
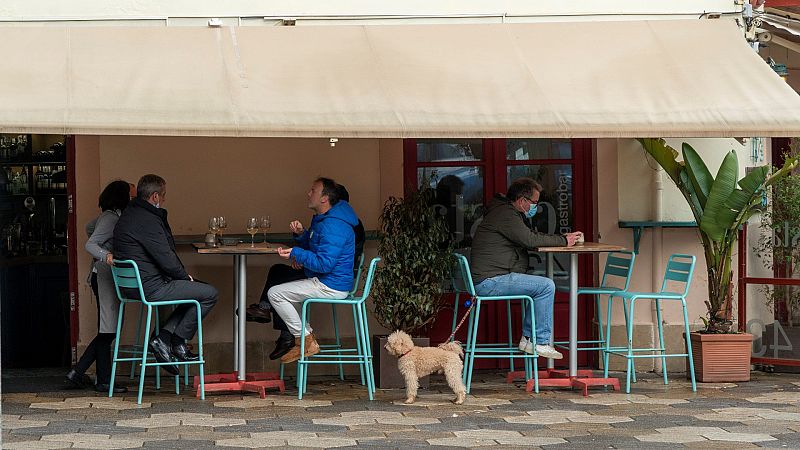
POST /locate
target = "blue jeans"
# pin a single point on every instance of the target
(541, 289)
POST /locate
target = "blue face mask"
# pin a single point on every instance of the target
(532, 210)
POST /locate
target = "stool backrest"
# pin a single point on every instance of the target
(618, 265)
(357, 276)
(461, 275)
(370, 277)
(679, 269)
(126, 276)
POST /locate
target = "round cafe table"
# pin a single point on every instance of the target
(572, 378)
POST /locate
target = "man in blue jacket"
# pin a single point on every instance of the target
(325, 251)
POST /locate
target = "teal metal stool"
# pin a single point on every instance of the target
(619, 267)
(492, 351)
(126, 276)
(136, 348)
(459, 287)
(363, 351)
(337, 347)
(679, 272)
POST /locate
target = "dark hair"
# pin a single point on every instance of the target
(329, 189)
(148, 185)
(522, 187)
(342, 193)
(115, 196)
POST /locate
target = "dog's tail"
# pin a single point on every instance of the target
(453, 346)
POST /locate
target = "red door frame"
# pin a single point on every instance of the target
(72, 250)
(584, 201)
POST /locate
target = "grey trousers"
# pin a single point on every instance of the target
(183, 321)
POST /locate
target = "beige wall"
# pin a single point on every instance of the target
(237, 178)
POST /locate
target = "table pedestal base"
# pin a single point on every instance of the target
(561, 378)
(257, 382)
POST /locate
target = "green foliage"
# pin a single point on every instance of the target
(416, 252)
(777, 245)
(720, 208)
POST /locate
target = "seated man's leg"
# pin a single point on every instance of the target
(278, 274)
(182, 323)
(286, 298)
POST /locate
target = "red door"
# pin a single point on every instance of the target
(466, 174)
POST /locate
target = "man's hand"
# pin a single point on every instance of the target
(296, 265)
(109, 259)
(572, 238)
(296, 227)
(284, 253)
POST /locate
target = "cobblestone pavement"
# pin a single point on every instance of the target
(336, 414)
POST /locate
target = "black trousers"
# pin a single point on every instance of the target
(183, 320)
(279, 274)
(99, 350)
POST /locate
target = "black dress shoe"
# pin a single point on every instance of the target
(161, 352)
(182, 353)
(77, 381)
(282, 347)
(102, 387)
(255, 313)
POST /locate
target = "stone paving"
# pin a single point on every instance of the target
(336, 414)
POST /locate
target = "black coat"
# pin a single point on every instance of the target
(143, 235)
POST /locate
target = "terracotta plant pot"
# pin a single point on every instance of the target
(385, 365)
(720, 358)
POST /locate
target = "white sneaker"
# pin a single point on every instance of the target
(548, 351)
(526, 345)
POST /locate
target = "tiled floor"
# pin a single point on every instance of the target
(762, 413)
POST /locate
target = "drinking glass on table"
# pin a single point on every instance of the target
(223, 224)
(213, 225)
(252, 228)
(265, 224)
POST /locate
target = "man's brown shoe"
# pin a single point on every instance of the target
(312, 348)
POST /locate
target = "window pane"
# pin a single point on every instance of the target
(459, 198)
(555, 214)
(527, 149)
(444, 150)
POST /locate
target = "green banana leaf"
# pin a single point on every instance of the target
(665, 156)
(715, 220)
(699, 174)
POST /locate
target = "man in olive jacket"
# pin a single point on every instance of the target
(499, 260)
(143, 235)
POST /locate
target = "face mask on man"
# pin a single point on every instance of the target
(532, 210)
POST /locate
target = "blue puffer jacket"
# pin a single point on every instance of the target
(327, 248)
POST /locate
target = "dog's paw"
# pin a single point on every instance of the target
(459, 399)
(410, 400)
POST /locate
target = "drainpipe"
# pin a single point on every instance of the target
(658, 216)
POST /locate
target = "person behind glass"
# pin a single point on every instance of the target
(282, 273)
(144, 236)
(499, 260)
(112, 202)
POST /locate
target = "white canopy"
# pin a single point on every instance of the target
(682, 78)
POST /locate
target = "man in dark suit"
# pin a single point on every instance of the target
(143, 235)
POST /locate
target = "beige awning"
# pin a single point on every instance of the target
(688, 78)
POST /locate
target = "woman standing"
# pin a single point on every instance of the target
(113, 200)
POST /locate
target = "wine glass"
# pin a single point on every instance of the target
(265, 223)
(223, 224)
(213, 225)
(252, 228)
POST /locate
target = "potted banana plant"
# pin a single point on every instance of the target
(720, 205)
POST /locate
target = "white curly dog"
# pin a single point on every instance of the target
(415, 362)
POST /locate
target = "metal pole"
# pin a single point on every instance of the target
(236, 316)
(549, 272)
(573, 314)
(241, 300)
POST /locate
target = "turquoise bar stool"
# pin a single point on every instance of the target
(363, 354)
(678, 274)
(459, 287)
(337, 347)
(126, 276)
(474, 350)
(618, 270)
(137, 346)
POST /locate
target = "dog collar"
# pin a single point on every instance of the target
(404, 354)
